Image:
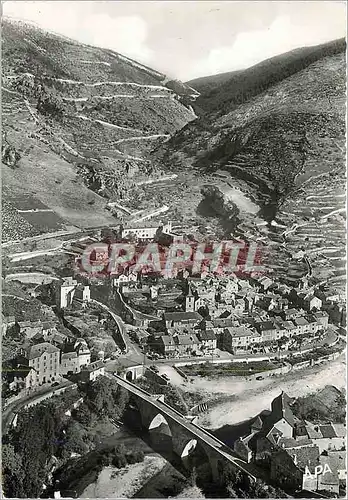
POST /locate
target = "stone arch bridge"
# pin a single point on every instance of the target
(186, 436)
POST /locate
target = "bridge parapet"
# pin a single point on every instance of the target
(188, 439)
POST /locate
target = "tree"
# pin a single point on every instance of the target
(13, 474)
(84, 414)
(76, 437)
(35, 440)
(106, 397)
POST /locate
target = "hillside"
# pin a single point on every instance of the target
(224, 92)
(93, 138)
(209, 85)
(293, 128)
(284, 149)
(79, 122)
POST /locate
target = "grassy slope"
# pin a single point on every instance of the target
(50, 149)
(206, 84)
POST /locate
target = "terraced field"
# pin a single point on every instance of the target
(316, 223)
(101, 113)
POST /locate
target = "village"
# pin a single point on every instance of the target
(203, 315)
(253, 323)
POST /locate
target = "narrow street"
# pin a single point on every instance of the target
(9, 413)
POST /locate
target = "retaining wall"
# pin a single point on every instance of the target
(156, 377)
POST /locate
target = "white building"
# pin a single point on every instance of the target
(75, 356)
(44, 358)
(148, 232)
(67, 291)
(93, 371)
(123, 279)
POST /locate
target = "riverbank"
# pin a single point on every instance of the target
(251, 397)
(125, 482)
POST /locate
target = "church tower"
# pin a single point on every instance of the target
(190, 301)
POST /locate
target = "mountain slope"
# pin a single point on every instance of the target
(284, 149)
(80, 121)
(223, 92)
(282, 134)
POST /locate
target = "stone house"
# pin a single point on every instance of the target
(237, 338)
(164, 345)
(327, 436)
(45, 359)
(302, 326)
(322, 318)
(186, 344)
(93, 371)
(268, 330)
(181, 319)
(21, 377)
(66, 292)
(208, 341)
(291, 314)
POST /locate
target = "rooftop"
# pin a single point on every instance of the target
(289, 325)
(96, 365)
(300, 321)
(288, 312)
(179, 316)
(266, 325)
(186, 339)
(308, 455)
(167, 340)
(280, 409)
(207, 335)
(37, 350)
(327, 431)
(240, 331)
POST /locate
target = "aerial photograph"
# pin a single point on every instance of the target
(173, 256)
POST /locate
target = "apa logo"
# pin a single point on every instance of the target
(318, 469)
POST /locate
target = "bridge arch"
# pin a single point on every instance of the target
(159, 421)
(195, 456)
(133, 373)
(189, 448)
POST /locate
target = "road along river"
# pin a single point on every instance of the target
(251, 397)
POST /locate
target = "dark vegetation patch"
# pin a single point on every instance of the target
(328, 404)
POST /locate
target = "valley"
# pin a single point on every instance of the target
(107, 132)
(99, 148)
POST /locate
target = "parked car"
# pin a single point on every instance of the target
(54, 384)
(154, 368)
(165, 377)
(259, 378)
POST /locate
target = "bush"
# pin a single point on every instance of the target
(134, 457)
(50, 104)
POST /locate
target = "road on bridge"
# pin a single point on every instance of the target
(205, 436)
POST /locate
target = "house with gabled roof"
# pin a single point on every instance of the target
(45, 359)
(177, 319)
(330, 436)
(207, 340)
